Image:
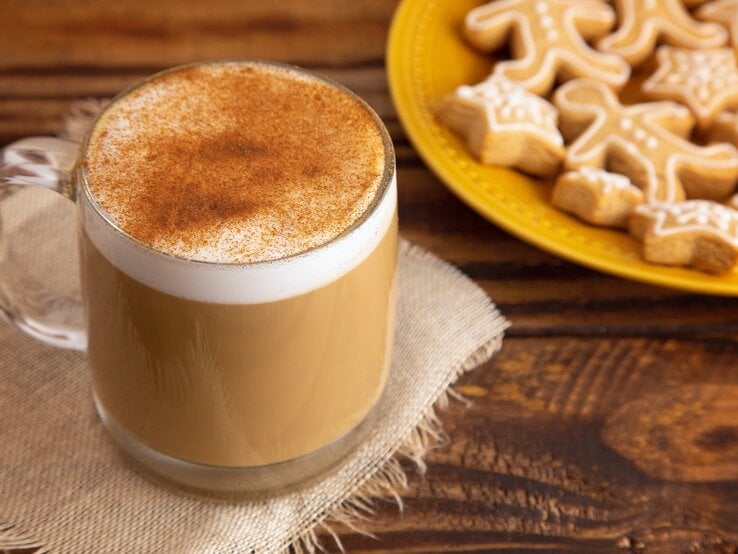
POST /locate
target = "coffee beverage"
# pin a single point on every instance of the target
(239, 243)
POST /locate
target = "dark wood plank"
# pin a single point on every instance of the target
(155, 34)
(581, 445)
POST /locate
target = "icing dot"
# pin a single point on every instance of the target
(547, 21)
(465, 91)
(626, 124)
(631, 148)
(552, 35)
(652, 143)
(640, 134)
(542, 7)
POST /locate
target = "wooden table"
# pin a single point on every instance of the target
(609, 420)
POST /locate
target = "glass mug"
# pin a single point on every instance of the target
(230, 377)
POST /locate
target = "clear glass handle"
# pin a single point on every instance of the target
(39, 274)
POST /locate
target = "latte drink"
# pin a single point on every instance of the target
(239, 247)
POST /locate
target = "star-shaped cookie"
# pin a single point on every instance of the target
(696, 233)
(725, 12)
(643, 142)
(506, 125)
(548, 40)
(706, 81)
(596, 196)
(644, 22)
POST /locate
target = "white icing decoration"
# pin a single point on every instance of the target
(692, 216)
(698, 78)
(606, 181)
(637, 29)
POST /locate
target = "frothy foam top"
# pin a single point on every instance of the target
(235, 162)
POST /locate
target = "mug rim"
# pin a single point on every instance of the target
(388, 173)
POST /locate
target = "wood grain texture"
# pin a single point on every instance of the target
(608, 423)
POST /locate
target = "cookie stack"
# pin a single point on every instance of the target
(666, 169)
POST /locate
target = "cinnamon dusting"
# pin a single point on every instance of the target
(235, 162)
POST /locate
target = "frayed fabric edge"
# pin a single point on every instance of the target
(390, 480)
(12, 539)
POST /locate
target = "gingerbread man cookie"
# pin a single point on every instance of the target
(695, 233)
(706, 81)
(725, 12)
(506, 125)
(597, 196)
(643, 142)
(644, 22)
(548, 40)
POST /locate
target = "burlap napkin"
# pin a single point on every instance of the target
(65, 488)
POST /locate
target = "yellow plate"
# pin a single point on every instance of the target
(427, 59)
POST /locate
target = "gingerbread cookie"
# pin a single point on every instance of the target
(733, 202)
(725, 12)
(706, 81)
(695, 233)
(506, 125)
(725, 128)
(643, 142)
(597, 196)
(548, 40)
(644, 22)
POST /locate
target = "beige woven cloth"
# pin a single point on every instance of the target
(64, 488)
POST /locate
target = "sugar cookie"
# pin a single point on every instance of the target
(597, 196)
(706, 81)
(725, 12)
(696, 233)
(644, 22)
(506, 125)
(642, 141)
(547, 40)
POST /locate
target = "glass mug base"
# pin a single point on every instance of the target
(243, 481)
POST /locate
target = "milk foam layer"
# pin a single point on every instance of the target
(235, 162)
(247, 283)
